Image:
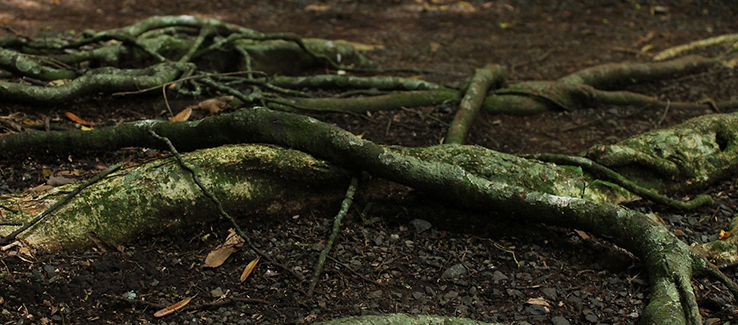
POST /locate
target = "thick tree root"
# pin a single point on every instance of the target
(19, 64)
(533, 97)
(685, 157)
(104, 80)
(487, 77)
(667, 259)
(253, 179)
(351, 82)
(612, 176)
(614, 74)
(393, 101)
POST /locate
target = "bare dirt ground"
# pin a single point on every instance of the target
(486, 273)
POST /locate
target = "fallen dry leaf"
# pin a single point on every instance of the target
(317, 7)
(434, 46)
(214, 105)
(218, 256)
(172, 308)
(582, 234)
(249, 268)
(183, 115)
(727, 234)
(77, 119)
(538, 301)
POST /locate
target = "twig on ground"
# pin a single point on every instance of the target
(345, 205)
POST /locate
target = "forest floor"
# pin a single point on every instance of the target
(488, 273)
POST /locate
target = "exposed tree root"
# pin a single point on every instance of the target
(668, 260)
(615, 74)
(104, 80)
(393, 101)
(687, 156)
(290, 177)
(351, 82)
(674, 51)
(532, 97)
(489, 76)
(612, 176)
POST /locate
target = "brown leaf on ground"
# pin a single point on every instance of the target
(184, 115)
(218, 256)
(582, 234)
(172, 308)
(538, 301)
(77, 119)
(214, 105)
(249, 269)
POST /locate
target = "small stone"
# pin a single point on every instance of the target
(576, 302)
(451, 295)
(216, 293)
(499, 276)
(453, 272)
(376, 294)
(420, 225)
(50, 271)
(418, 295)
(592, 318)
(514, 293)
(378, 240)
(429, 291)
(550, 293)
(558, 320)
(536, 310)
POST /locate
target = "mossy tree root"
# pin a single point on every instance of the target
(684, 157)
(534, 97)
(490, 76)
(19, 64)
(392, 101)
(618, 74)
(612, 176)
(582, 88)
(667, 259)
(103, 80)
(215, 47)
(351, 82)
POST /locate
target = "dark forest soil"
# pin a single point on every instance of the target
(487, 273)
